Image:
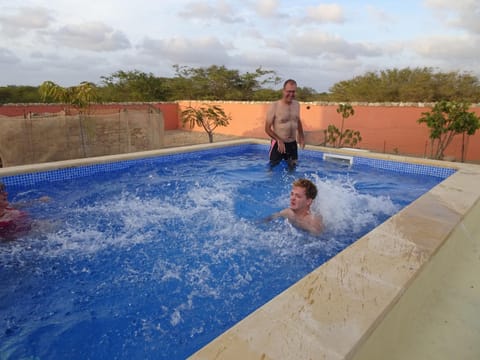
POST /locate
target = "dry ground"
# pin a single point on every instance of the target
(184, 137)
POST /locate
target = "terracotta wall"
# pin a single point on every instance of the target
(384, 128)
(390, 128)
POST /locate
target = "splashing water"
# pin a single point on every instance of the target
(156, 260)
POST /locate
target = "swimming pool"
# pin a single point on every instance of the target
(109, 282)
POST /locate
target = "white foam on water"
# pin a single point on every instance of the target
(167, 270)
(346, 210)
(206, 209)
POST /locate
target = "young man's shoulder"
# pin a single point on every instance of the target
(286, 213)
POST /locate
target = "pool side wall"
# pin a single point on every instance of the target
(349, 305)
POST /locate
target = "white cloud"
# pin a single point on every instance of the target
(462, 14)
(318, 44)
(91, 36)
(267, 8)
(8, 57)
(468, 18)
(447, 48)
(25, 19)
(274, 43)
(187, 51)
(379, 15)
(220, 11)
(326, 13)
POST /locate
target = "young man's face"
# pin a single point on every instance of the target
(289, 92)
(298, 199)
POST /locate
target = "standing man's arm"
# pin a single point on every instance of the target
(269, 128)
(301, 135)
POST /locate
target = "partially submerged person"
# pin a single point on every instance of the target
(13, 222)
(299, 214)
(284, 127)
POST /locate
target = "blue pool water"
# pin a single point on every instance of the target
(153, 258)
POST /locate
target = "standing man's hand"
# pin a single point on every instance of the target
(281, 147)
(300, 135)
(301, 141)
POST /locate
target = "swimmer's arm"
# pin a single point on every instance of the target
(24, 204)
(270, 218)
(276, 215)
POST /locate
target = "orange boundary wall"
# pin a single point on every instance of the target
(389, 128)
(384, 128)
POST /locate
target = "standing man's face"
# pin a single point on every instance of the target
(289, 92)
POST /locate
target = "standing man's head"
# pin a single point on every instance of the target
(302, 195)
(289, 90)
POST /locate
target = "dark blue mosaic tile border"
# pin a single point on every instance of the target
(407, 168)
(87, 170)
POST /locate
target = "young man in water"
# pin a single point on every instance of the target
(301, 197)
(284, 127)
(13, 222)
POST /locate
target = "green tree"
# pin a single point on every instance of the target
(305, 94)
(133, 85)
(207, 117)
(81, 97)
(266, 95)
(251, 83)
(345, 110)
(446, 120)
(339, 137)
(360, 88)
(212, 83)
(19, 94)
(219, 83)
(412, 85)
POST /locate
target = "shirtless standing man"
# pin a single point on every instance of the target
(284, 126)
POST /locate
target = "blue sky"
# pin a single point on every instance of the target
(315, 42)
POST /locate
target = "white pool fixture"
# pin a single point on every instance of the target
(343, 159)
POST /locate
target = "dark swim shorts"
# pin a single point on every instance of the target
(291, 153)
